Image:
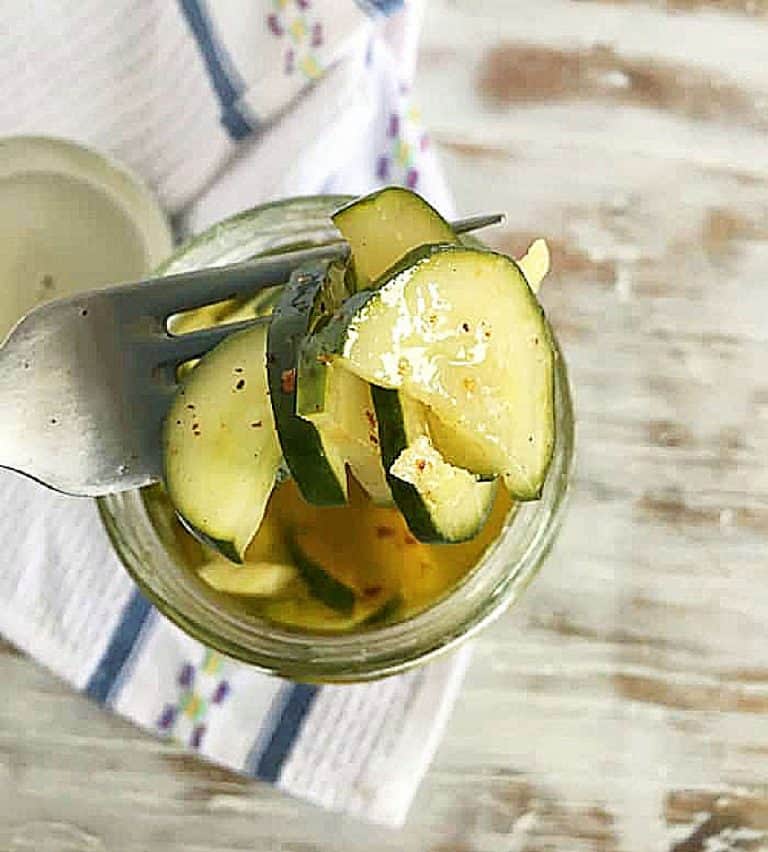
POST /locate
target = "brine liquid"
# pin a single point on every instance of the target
(366, 547)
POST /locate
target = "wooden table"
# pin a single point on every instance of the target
(623, 704)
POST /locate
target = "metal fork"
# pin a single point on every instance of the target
(85, 382)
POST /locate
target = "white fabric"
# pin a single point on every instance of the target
(128, 77)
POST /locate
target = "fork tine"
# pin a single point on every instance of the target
(176, 348)
(176, 293)
(248, 277)
(474, 223)
(188, 290)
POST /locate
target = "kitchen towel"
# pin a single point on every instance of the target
(219, 107)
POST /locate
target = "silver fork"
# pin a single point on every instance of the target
(85, 382)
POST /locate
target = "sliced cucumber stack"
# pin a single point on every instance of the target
(221, 453)
(316, 464)
(426, 500)
(425, 367)
(440, 503)
(479, 356)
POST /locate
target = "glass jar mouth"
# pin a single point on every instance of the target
(499, 577)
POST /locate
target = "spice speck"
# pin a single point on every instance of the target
(288, 380)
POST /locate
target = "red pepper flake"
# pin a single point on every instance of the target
(190, 406)
(240, 384)
(256, 424)
(374, 440)
(465, 326)
(421, 464)
(385, 532)
(288, 380)
(238, 369)
(371, 418)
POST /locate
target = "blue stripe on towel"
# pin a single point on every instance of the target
(224, 78)
(381, 7)
(113, 662)
(296, 705)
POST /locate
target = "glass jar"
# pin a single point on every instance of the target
(497, 580)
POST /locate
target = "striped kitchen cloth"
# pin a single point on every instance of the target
(219, 107)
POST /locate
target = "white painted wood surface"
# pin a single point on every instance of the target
(623, 705)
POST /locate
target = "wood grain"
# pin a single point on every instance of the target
(623, 704)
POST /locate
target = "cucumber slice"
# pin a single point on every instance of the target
(329, 604)
(480, 357)
(308, 614)
(440, 503)
(254, 579)
(339, 406)
(261, 304)
(534, 264)
(221, 454)
(206, 316)
(384, 226)
(220, 313)
(315, 463)
(322, 585)
(388, 611)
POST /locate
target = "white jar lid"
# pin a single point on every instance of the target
(70, 220)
